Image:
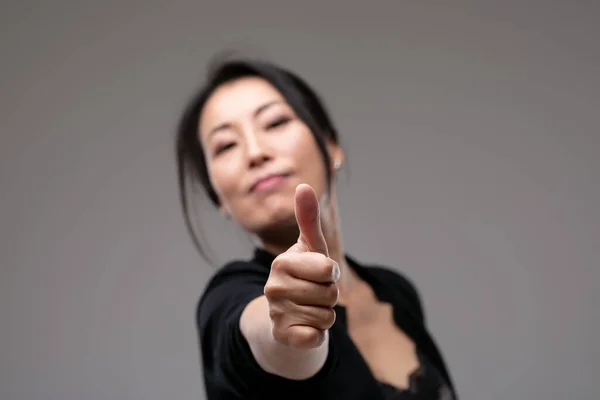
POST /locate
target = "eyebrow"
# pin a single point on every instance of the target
(227, 125)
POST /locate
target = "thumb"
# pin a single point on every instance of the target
(309, 220)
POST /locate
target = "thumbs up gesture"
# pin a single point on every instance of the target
(301, 289)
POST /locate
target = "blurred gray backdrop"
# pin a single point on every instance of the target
(472, 135)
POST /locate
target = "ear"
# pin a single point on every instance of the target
(336, 155)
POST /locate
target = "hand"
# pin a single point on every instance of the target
(301, 289)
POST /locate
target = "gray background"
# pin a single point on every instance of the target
(472, 136)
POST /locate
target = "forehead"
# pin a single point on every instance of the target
(237, 99)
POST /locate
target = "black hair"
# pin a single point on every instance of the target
(191, 164)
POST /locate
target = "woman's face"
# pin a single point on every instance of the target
(257, 151)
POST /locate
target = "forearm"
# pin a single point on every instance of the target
(272, 356)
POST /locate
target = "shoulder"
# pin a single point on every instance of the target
(399, 279)
(234, 284)
(237, 273)
(394, 283)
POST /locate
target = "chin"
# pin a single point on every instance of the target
(274, 222)
(276, 207)
(273, 213)
(282, 233)
(280, 217)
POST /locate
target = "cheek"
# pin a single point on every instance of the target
(311, 162)
(302, 144)
(223, 180)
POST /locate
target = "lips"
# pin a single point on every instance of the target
(268, 182)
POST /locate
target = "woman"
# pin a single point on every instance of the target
(299, 319)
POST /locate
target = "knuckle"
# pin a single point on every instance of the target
(279, 263)
(283, 261)
(279, 334)
(285, 264)
(306, 337)
(274, 289)
(276, 314)
(319, 317)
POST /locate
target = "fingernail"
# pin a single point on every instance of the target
(335, 272)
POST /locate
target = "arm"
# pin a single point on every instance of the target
(227, 353)
(273, 357)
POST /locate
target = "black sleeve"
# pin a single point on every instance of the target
(230, 370)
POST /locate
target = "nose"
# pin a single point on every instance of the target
(256, 151)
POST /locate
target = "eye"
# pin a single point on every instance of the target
(278, 123)
(223, 148)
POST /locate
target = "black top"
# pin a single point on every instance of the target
(425, 383)
(231, 372)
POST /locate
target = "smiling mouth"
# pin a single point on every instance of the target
(268, 183)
